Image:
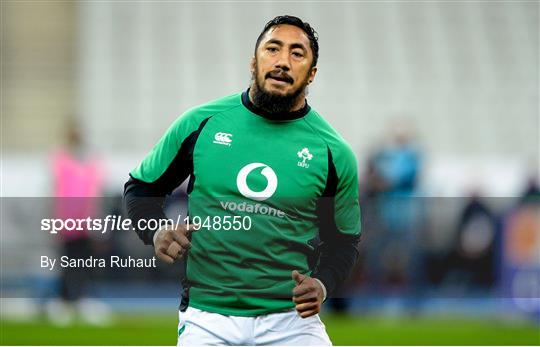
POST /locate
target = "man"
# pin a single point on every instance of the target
(266, 158)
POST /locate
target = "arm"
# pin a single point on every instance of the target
(167, 165)
(336, 262)
(339, 221)
(143, 201)
(338, 212)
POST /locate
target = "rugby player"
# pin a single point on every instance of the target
(273, 189)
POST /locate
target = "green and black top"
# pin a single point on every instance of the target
(294, 178)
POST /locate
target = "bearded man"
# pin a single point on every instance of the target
(273, 203)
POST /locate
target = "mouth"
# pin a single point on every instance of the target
(280, 78)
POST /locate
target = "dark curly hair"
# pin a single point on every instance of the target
(297, 22)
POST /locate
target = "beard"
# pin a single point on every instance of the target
(275, 103)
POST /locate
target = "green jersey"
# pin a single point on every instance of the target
(262, 191)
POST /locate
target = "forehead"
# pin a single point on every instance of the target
(288, 34)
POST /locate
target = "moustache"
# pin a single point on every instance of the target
(279, 75)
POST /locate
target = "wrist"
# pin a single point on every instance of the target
(155, 236)
(323, 288)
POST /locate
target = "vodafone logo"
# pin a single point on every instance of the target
(271, 185)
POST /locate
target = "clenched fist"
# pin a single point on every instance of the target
(308, 295)
(172, 242)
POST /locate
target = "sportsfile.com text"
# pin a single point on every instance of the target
(119, 223)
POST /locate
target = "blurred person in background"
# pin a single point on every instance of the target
(396, 164)
(264, 285)
(78, 184)
(473, 257)
(532, 191)
(390, 217)
(394, 218)
(520, 258)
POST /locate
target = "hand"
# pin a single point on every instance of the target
(173, 242)
(308, 295)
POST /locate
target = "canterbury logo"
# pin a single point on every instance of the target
(223, 139)
(271, 185)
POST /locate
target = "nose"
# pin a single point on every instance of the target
(283, 61)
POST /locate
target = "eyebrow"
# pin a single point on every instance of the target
(280, 43)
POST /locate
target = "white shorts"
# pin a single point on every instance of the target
(198, 328)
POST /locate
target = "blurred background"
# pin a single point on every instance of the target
(440, 101)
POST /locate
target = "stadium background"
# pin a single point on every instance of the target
(457, 80)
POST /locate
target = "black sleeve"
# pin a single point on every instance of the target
(337, 258)
(338, 252)
(145, 200)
